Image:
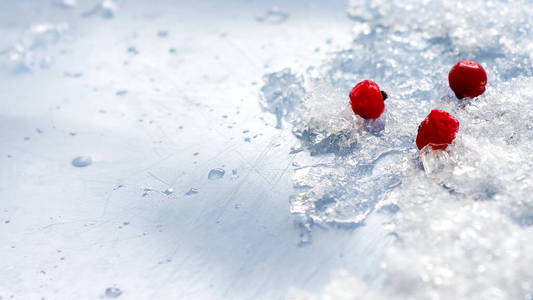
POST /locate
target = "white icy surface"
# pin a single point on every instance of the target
(205, 150)
(156, 94)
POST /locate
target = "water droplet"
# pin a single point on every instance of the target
(66, 3)
(273, 16)
(133, 50)
(73, 75)
(162, 33)
(191, 192)
(215, 174)
(168, 191)
(82, 161)
(112, 292)
(121, 93)
(196, 153)
(106, 9)
(147, 191)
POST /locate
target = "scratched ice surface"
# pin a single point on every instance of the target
(136, 160)
(205, 150)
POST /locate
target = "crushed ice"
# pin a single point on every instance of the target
(281, 93)
(462, 216)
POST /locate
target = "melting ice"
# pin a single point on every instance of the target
(462, 216)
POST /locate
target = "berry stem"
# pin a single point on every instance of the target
(384, 95)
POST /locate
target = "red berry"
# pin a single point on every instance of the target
(367, 100)
(467, 79)
(438, 130)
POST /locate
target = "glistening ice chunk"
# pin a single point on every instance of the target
(325, 122)
(281, 93)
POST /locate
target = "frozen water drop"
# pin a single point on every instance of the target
(82, 161)
(168, 191)
(118, 187)
(73, 74)
(191, 192)
(106, 9)
(67, 3)
(215, 174)
(146, 191)
(273, 16)
(113, 292)
(133, 50)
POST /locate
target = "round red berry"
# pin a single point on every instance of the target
(467, 79)
(437, 130)
(367, 100)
